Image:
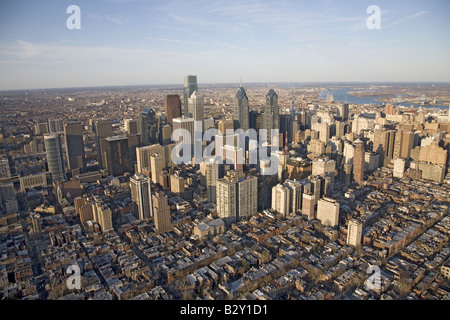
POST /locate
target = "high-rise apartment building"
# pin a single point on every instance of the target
(141, 196)
(354, 232)
(161, 212)
(55, 158)
(328, 211)
(172, 107)
(240, 112)
(209, 175)
(74, 144)
(308, 205)
(236, 197)
(280, 199)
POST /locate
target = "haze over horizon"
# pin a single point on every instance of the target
(136, 42)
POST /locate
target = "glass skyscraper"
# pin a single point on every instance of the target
(55, 157)
(190, 85)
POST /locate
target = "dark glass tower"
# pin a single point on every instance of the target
(150, 127)
(190, 85)
(55, 157)
(241, 114)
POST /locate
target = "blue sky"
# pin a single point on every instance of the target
(128, 42)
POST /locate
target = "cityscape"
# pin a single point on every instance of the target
(198, 190)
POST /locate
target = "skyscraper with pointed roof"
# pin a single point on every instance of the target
(240, 114)
(271, 113)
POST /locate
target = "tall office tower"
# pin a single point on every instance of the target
(308, 204)
(196, 107)
(150, 127)
(302, 119)
(285, 122)
(358, 162)
(83, 208)
(102, 129)
(190, 85)
(224, 125)
(389, 109)
(340, 126)
(143, 157)
(295, 199)
(176, 184)
(240, 114)
(5, 172)
(324, 131)
(316, 188)
(324, 167)
(141, 196)
(354, 232)
(104, 215)
(403, 144)
(383, 143)
(210, 174)
(76, 160)
(161, 212)
(226, 199)
(115, 157)
(292, 112)
(55, 125)
(55, 157)
(156, 166)
(165, 137)
(133, 126)
(328, 211)
(36, 222)
(247, 197)
(40, 128)
(280, 199)
(343, 111)
(187, 124)
(271, 113)
(172, 107)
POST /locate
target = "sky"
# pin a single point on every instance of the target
(140, 42)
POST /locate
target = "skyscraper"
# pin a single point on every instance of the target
(280, 199)
(187, 124)
(102, 129)
(354, 232)
(196, 107)
(55, 157)
(328, 211)
(55, 125)
(5, 172)
(358, 162)
(150, 127)
(240, 114)
(210, 174)
(156, 166)
(161, 212)
(190, 85)
(308, 204)
(116, 157)
(247, 197)
(271, 113)
(74, 144)
(226, 200)
(133, 126)
(343, 111)
(141, 196)
(172, 107)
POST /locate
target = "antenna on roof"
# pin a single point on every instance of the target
(241, 81)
